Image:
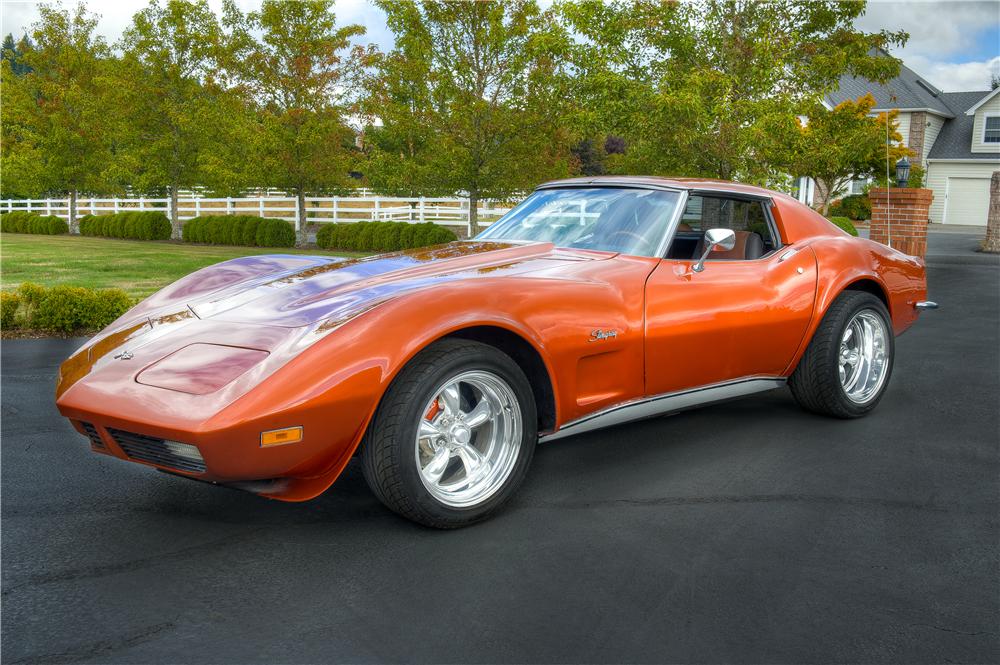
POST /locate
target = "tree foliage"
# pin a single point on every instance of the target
(469, 100)
(304, 72)
(14, 54)
(176, 117)
(835, 146)
(688, 85)
(481, 98)
(54, 130)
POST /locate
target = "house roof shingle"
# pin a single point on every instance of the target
(955, 139)
(907, 91)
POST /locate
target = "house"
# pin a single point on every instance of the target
(955, 137)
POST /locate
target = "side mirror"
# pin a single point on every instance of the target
(723, 239)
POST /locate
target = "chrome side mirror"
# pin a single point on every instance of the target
(723, 239)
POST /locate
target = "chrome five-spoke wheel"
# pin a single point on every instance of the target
(468, 438)
(846, 368)
(453, 436)
(863, 356)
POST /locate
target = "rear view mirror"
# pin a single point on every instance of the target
(724, 239)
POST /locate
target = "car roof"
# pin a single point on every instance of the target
(657, 182)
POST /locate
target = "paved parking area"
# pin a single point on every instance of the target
(747, 532)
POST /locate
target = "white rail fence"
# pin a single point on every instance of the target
(321, 210)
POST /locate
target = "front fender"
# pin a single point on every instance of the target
(333, 387)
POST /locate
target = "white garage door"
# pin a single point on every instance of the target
(968, 201)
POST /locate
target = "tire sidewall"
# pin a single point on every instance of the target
(863, 302)
(504, 367)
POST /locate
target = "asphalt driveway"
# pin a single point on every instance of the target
(747, 532)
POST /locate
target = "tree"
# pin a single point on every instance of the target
(470, 99)
(14, 54)
(992, 242)
(305, 75)
(54, 127)
(171, 115)
(688, 85)
(835, 146)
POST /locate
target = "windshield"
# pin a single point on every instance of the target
(630, 221)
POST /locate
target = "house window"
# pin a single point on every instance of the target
(991, 129)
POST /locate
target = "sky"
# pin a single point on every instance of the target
(954, 44)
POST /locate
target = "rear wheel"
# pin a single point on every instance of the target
(846, 367)
(453, 437)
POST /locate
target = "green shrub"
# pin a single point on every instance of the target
(844, 224)
(63, 309)
(108, 305)
(129, 225)
(31, 293)
(381, 236)
(248, 234)
(855, 207)
(275, 233)
(22, 221)
(245, 230)
(72, 308)
(916, 179)
(10, 302)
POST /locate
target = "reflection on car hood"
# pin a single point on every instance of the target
(325, 288)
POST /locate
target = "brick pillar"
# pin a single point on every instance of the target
(915, 141)
(901, 221)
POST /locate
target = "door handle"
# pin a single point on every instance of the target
(787, 255)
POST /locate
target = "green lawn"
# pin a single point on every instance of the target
(138, 267)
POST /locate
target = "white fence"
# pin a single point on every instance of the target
(344, 209)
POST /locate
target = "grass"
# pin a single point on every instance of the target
(138, 267)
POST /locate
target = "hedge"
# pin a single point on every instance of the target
(22, 221)
(244, 230)
(61, 308)
(381, 236)
(131, 225)
(845, 224)
(856, 207)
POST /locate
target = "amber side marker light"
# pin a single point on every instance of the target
(277, 437)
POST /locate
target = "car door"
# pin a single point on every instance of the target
(737, 318)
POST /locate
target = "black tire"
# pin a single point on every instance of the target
(816, 383)
(388, 449)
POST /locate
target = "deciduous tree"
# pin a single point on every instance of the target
(169, 99)
(834, 146)
(470, 99)
(689, 85)
(55, 131)
(305, 73)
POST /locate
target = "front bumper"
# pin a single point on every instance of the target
(216, 436)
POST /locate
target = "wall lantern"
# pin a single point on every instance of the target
(902, 172)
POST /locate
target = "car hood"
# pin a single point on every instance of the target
(294, 291)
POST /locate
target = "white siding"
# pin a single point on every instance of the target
(991, 107)
(934, 125)
(939, 172)
(903, 121)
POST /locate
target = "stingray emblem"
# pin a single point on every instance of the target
(598, 335)
(124, 355)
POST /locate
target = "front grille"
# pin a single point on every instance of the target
(171, 454)
(96, 442)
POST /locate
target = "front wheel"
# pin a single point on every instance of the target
(846, 367)
(453, 437)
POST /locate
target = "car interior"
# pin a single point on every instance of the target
(746, 218)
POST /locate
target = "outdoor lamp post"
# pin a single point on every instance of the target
(902, 172)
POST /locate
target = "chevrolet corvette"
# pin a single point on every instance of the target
(593, 302)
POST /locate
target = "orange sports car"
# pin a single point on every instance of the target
(594, 302)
